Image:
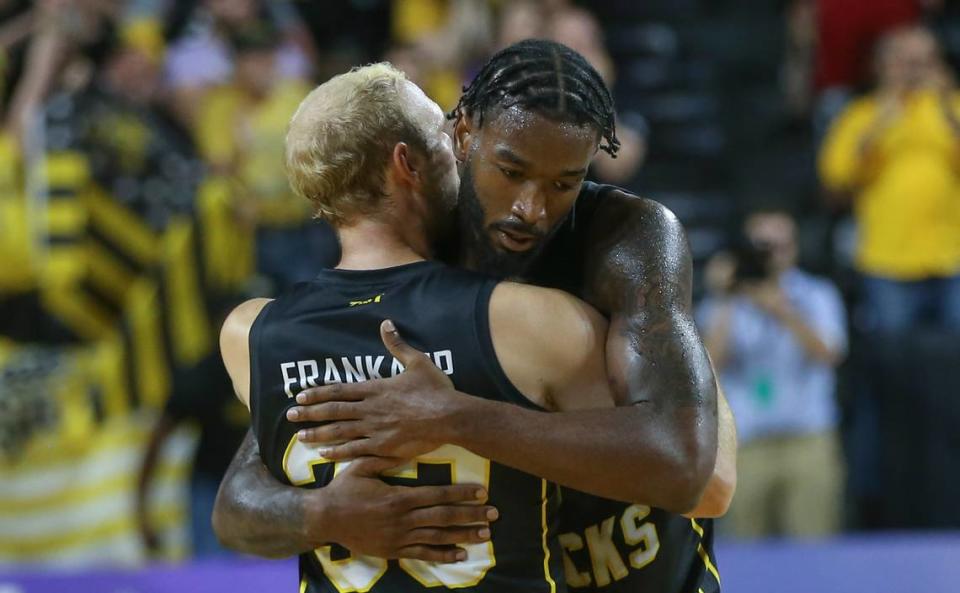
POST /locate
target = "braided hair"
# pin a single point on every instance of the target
(545, 77)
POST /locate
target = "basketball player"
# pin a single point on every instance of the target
(526, 210)
(529, 346)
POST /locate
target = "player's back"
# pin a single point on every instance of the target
(327, 331)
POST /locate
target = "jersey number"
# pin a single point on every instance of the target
(360, 573)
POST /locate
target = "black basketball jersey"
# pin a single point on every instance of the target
(614, 547)
(610, 546)
(327, 331)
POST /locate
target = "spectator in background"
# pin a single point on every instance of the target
(240, 131)
(437, 41)
(201, 57)
(135, 149)
(55, 39)
(203, 395)
(844, 36)
(848, 30)
(895, 153)
(775, 334)
(578, 29)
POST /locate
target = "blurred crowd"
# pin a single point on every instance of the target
(142, 195)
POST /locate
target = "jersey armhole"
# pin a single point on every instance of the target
(253, 346)
(489, 353)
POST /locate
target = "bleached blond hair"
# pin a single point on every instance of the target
(341, 138)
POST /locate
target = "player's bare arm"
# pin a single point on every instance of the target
(640, 273)
(550, 346)
(720, 489)
(257, 514)
(591, 450)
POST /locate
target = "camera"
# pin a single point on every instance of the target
(752, 263)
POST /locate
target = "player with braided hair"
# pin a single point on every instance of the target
(525, 133)
(547, 77)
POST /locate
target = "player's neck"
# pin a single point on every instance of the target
(373, 245)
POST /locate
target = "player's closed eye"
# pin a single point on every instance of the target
(510, 173)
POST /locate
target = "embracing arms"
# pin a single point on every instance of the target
(640, 273)
(659, 448)
(722, 485)
(257, 514)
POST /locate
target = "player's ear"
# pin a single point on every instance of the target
(405, 164)
(462, 136)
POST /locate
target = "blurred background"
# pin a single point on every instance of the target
(810, 147)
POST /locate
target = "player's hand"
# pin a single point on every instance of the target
(400, 417)
(420, 523)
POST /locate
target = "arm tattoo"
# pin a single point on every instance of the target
(639, 272)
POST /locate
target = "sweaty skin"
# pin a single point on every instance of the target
(656, 361)
(666, 433)
(659, 449)
(551, 348)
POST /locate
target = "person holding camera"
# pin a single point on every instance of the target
(776, 335)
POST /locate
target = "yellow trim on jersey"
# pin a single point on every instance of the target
(703, 553)
(310, 464)
(546, 548)
(303, 586)
(413, 472)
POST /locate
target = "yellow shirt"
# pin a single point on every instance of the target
(412, 19)
(907, 189)
(249, 138)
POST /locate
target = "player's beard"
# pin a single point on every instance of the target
(443, 196)
(476, 240)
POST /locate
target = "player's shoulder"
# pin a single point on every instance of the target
(547, 319)
(236, 327)
(547, 341)
(234, 344)
(523, 298)
(651, 211)
(611, 201)
(620, 215)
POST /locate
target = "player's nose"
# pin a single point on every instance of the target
(530, 206)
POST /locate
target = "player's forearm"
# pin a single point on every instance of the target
(723, 483)
(657, 361)
(256, 514)
(639, 272)
(605, 452)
